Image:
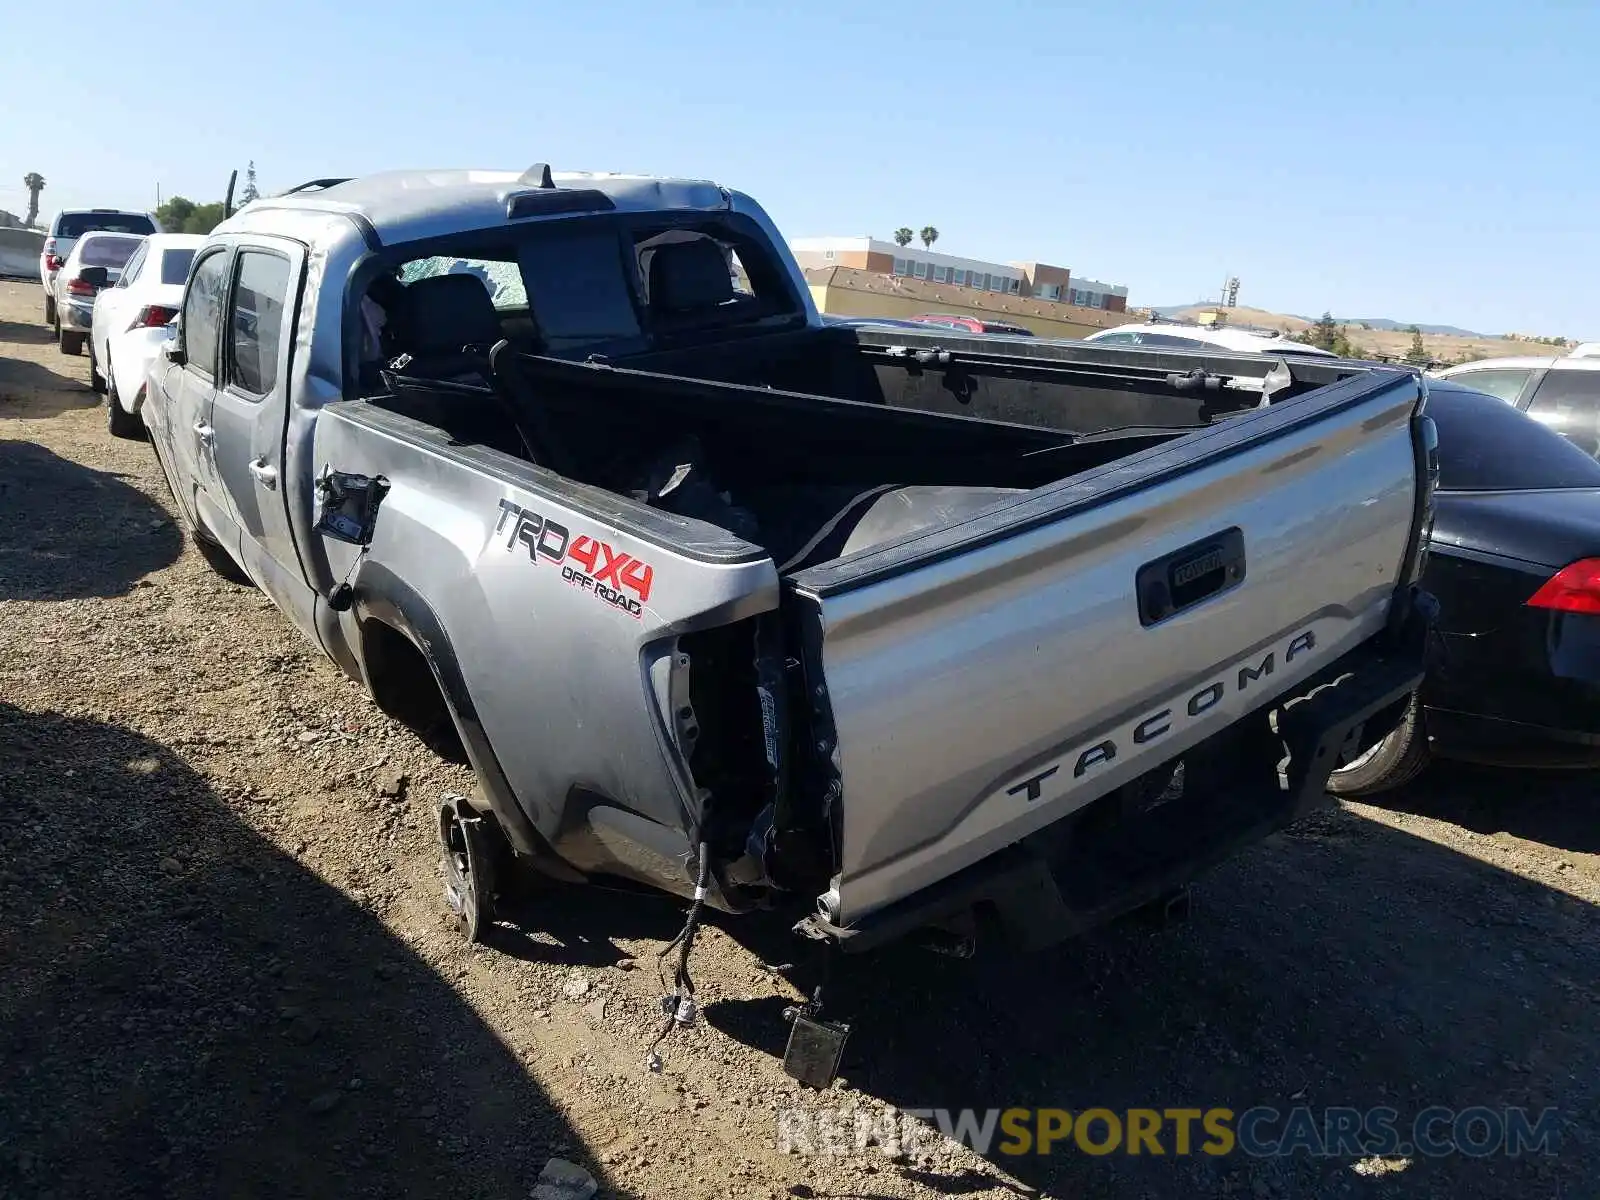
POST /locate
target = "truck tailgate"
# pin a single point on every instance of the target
(987, 679)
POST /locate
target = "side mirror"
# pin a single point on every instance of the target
(95, 277)
(172, 348)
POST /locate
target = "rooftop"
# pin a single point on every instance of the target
(403, 206)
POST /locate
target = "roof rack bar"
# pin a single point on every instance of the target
(314, 183)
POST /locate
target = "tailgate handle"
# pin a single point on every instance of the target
(1185, 577)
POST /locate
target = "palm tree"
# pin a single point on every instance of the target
(929, 236)
(903, 236)
(34, 182)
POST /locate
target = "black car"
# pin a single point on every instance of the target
(1515, 564)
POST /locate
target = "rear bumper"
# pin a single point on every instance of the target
(75, 315)
(1122, 853)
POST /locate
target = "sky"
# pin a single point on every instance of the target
(1423, 161)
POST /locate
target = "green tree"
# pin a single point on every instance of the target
(929, 236)
(1325, 333)
(903, 236)
(182, 215)
(1418, 353)
(250, 193)
(34, 182)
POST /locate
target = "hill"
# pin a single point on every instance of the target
(1260, 316)
(1383, 338)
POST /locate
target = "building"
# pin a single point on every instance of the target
(857, 292)
(1039, 281)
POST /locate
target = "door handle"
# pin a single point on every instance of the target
(204, 432)
(266, 476)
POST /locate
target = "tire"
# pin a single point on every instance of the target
(70, 342)
(1395, 761)
(119, 422)
(50, 312)
(96, 383)
(219, 560)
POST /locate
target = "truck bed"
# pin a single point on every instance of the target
(977, 628)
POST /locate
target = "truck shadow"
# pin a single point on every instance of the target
(24, 333)
(1554, 808)
(1341, 963)
(69, 532)
(187, 1011)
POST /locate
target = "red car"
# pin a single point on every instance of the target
(970, 324)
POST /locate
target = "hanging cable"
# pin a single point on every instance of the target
(678, 1005)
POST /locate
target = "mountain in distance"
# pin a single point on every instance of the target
(1384, 323)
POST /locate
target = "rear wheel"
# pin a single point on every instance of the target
(49, 310)
(70, 342)
(470, 842)
(119, 422)
(1396, 760)
(95, 381)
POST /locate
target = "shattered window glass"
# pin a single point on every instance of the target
(502, 280)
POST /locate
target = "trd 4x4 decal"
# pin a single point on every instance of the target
(621, 580)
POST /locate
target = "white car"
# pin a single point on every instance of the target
(130, 322)
(70, 225)
(1563, 393)
(95, 263)
(1173, 336)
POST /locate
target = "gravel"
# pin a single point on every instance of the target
(220, 905)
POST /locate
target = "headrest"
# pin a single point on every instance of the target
(447, 312)
(689, 275)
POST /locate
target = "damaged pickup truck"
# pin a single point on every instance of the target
(908, 632)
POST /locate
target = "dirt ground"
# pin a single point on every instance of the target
(225, 968)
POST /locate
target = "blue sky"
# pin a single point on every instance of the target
(1410, 159)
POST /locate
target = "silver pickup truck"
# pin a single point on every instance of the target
(911, 632)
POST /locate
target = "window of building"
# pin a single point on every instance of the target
(941, 274)
(1016, 286)
(901, 267)
(920, 270)
(828, 254)
(958, 277)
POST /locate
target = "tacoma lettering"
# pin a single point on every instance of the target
(1156, 725)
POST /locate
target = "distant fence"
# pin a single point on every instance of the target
(19, 252)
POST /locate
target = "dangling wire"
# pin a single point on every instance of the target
(678, 1001)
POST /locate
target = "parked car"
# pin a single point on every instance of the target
(713, 605)
(1173, 336)
(1563, 393)
(870, 322)
(1515, 564)
(128, 324)
(70, 225)
(96, 262)
(971, 324)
